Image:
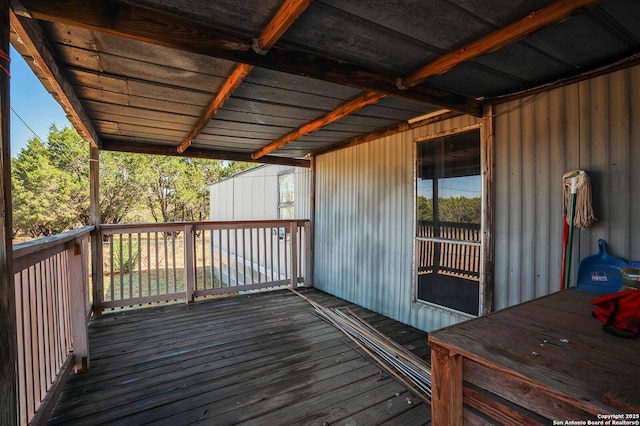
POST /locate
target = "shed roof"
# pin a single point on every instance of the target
(275, 80)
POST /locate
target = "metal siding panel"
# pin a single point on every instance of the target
(303, 193)
(364, 226)
(589, 126)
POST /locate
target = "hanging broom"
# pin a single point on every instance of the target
(577, 195)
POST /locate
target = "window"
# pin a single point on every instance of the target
(286, 196)
(448, 220)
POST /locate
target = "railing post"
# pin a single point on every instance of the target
(308, 255)
(293, 240)
(78, 286)
(189, 262)
(97, 260)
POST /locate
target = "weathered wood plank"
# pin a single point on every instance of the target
(625, 395)
(234, 359)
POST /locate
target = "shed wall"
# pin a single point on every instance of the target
(253, 195)
(365, 198)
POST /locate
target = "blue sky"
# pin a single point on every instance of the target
(31, 103)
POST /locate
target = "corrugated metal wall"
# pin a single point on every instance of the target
(594, 126)
(253, 195)
(365, 198)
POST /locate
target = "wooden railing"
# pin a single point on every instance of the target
(450, 248)
(141, 264)
(52, 307)
(148, 263)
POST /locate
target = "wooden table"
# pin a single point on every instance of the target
(543, 360)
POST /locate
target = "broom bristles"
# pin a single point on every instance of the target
(584, 214)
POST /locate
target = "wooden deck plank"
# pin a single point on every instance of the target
(392, 409)
(262, 358)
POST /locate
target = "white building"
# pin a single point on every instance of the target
(264, 193)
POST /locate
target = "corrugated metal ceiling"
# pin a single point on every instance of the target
(142, 89)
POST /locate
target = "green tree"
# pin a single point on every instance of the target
(460, 209)
(177, 187)
(425, 208)
(121, 188)
(50, 185)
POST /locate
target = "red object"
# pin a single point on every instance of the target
(620, 313)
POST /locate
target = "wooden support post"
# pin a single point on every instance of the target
(446, 392)
(96, 235)
(78, 287)
(8, 347)
(293, 236)
(189, 263)
(487, 264)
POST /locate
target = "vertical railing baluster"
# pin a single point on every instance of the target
(21, 379)
(235, 254)
(204, 261)
(139, 263)
(130, 265)
(174, 242)
(189, 262)
(293, 261)
(120, 275)
(220, 267)
(157, 267)
(279, 272)
(166, 263)
(253, 280)
(271, 252)
(228, 251)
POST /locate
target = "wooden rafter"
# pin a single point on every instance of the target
(30, 43)
(125, 19)
(381, 133)
(282, 20)
(335, 115)
(504, 36)
(495, 40)
(230, 85)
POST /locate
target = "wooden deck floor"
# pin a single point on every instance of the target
(258, 359)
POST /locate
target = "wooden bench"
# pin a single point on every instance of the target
(533, 363)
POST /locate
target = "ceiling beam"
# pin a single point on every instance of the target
(535, 21)
(28, 40)
(211, 154)
(282, 20)
(121, 18)
(335, 115)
